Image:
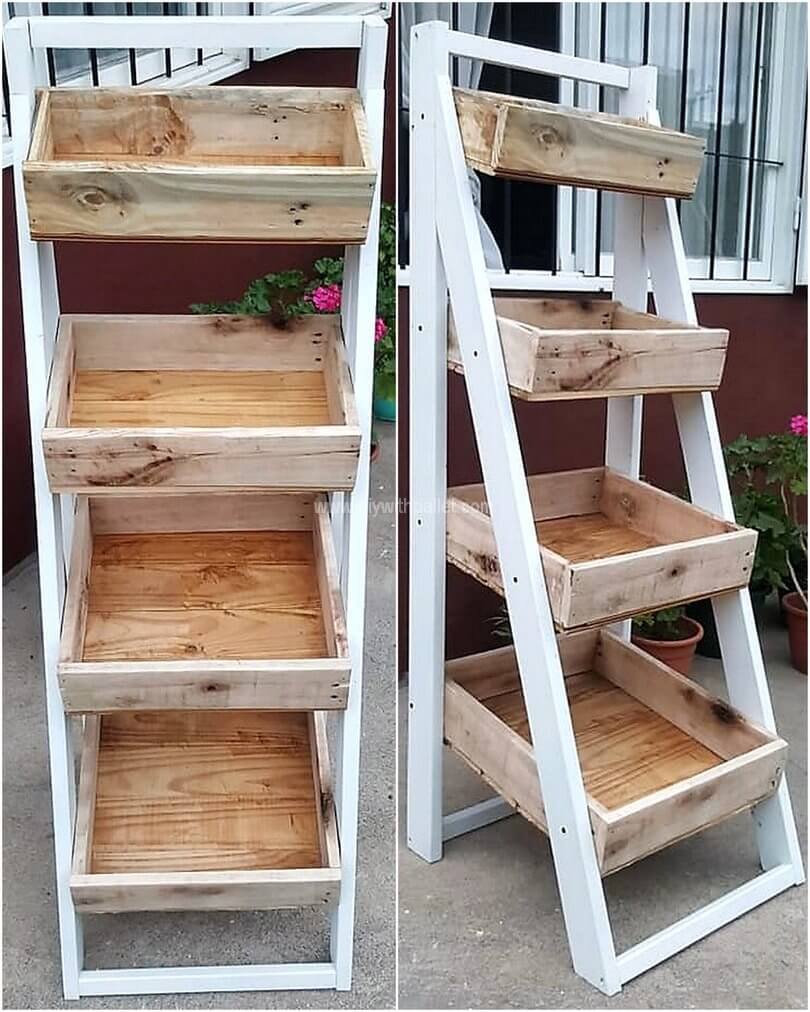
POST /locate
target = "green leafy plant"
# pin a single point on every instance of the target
(769, 479)
(279, 296)
(286, 295)
(664, 624)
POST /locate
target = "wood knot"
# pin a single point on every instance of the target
(724, 712)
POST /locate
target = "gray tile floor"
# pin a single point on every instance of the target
(482, 928)
(31, 956)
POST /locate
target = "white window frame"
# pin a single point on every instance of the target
(776, 273)
(151, 64)
(356, 9)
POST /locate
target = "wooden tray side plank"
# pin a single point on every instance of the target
(74, 618)
(63, 370)
(571, 364)
(658, 514)
(339, 390)
(322, 771)
(628, 585)
(278, 889)
(683, 702)
(294, 684)
(501, 757)
(528, 139)
(190, 123)
(471, 548)
(198, 203)
(328, 575)
(197, 341)
(691, 806)
(86, 797)
(265, 511)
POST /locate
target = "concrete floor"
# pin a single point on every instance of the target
(482, 928)
(31, 956)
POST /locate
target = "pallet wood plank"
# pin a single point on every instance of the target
(251, 164)
(653, 775)
(216, 810)
(569, 349)
(529, 139)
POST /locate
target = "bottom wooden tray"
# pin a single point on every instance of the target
(661, 758)
(189, 810)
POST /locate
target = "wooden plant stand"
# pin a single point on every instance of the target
(609, 752)
(202, 493)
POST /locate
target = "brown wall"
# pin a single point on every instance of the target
(151, 278)
(765, 382)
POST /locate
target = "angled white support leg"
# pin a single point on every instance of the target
(578, 878)
(624, 414)
(360, 281)
(428, 453)
(40, 309)
(708, 483)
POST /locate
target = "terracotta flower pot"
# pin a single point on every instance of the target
(677, 654)
(797, 630)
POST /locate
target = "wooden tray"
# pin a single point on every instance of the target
(661, 757)
(203, 602)
(522, 138)
(174, 403)
(224, 810)
(239, 164)
(611, 547)
(564, 349)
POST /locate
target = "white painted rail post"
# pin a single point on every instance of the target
(40, 310)
(360, 283)
(428, 452)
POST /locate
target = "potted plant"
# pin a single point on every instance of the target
(385, 351)
(669, 635)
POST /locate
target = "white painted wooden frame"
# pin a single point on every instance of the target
(446, 254)
(24, 39)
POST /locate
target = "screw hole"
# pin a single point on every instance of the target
(563, 830)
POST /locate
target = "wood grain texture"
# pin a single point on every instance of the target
(568, 349)
(250, 164)
(216, 810)
(164, 403)
(529, 139)
(611, 547)
(650, 774)
(221, 596)
(107, 399)
(165, 610)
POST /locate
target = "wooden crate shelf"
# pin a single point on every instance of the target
(215, 810)
(521, 138)
(204, 164)
(611, 547)
(203, 602)
(565, 349)
(661, 757)
(182, 403)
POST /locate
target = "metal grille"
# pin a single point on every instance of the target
(71, 67)
(720, 76)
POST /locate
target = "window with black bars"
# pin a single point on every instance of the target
(720, 76)
(73, 67)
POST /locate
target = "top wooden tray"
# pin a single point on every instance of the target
(239, 164)
(526, 139)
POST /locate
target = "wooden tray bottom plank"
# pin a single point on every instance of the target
(627, 751)
(216, 398)
(205, 791)
(214, 595)
(588, 537)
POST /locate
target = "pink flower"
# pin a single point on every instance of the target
(380, 329)
(326, 298)
(798, 425)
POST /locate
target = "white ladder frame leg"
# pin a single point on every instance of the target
(648, 234)
(25, 40)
